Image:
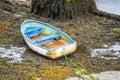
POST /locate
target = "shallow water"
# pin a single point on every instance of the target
(14, 53)
(109, 52)
(110, 6)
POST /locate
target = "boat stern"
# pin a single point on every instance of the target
(61, 51)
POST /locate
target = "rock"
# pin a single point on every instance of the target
(74, 78)
(108, 75)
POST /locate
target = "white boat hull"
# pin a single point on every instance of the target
(61, 51)
(54, 52)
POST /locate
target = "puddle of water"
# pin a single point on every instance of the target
(14, 53)
(112, 52)
(111, 6)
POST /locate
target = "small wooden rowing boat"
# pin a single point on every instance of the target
(46, 39)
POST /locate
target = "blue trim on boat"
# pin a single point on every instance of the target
(46, 38)
(40, 22)
(33, 31)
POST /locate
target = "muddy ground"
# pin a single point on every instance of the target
(91, 31)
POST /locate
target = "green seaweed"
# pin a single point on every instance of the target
(79, 71)
(68, 1)
(93, 78)
(18, 15)
(116, 29)
(7, 12)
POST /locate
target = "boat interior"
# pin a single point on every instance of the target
(37, 35)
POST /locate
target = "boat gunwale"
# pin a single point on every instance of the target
(53, 27)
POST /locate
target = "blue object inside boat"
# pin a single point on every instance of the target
(46, 38)
(33, 31)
